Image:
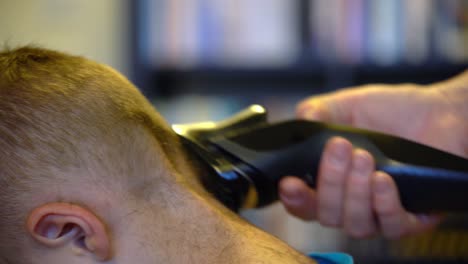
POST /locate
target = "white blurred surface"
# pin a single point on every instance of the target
(97, 29)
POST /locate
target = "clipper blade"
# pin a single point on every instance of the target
(222, 174)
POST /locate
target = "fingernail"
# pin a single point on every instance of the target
(361, 162)
(311, 114)
(381, 185)
(310, 111)
(338, 154)
(290, 196)
(428, 219)
(291, 199)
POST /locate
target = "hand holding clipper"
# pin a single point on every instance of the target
(248, 156)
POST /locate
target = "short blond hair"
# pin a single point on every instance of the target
(59, 113)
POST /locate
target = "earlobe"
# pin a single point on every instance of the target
(67, 225)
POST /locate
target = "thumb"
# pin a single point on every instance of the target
(313, 109)
(334, 107)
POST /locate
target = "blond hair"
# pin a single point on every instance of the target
(62, 113)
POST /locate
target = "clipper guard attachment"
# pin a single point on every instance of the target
(247, 158)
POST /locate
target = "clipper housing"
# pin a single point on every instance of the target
(245, 157)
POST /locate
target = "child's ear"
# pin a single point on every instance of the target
(59, 225)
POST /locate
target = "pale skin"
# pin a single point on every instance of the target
(161, 216)
(350, 194)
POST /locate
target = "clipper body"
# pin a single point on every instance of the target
(247, 156)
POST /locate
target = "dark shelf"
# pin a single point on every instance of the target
(298, 78)
(307, 75)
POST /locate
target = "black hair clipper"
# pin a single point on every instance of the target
(247, 157)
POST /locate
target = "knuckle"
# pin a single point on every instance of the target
(386, 207)
(394, 234)
(358, 197)
(332, 176)
(329, 220)
(360, 233)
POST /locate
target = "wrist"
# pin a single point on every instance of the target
(454, 92)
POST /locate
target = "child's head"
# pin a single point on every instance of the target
(90, 172)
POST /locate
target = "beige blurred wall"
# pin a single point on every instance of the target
(97, 29)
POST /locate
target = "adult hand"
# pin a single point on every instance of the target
(350, 194)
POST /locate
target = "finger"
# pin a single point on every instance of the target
(390, 213)
(298, 199)
(424, 222)
(359, 221)
(416, 224)
(333, 169)
(314, 109)
(394, 221)
(336, 107)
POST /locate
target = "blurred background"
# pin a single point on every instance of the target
(207, 59)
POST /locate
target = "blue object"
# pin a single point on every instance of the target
(332, 258)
